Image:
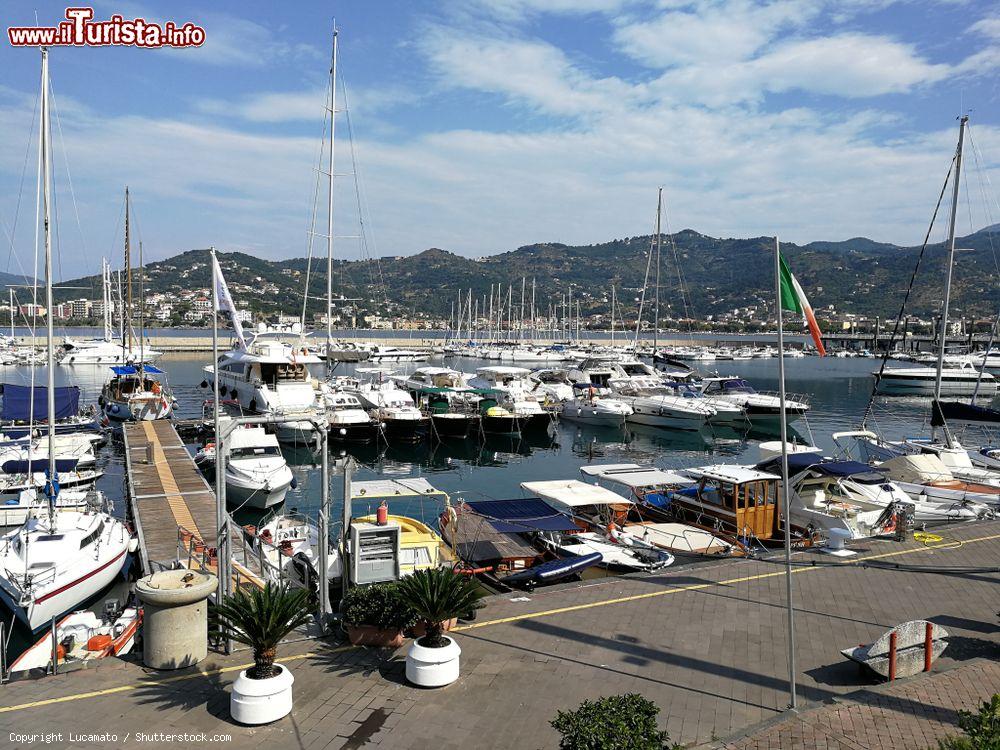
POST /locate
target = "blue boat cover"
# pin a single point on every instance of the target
(17, 402)
(521, 516)
(130, 370)
(553, 570)
(37, 466)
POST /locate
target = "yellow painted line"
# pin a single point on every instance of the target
(165, 681)
(944, 545)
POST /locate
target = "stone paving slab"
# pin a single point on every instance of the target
(707, 643)
(913, 713)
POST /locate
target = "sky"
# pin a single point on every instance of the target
(478, 126)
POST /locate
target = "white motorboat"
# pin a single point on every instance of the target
(288, 546)
(846, 495)
(926, 479)
(349, 421)
(553, 384)
(726, 412)
(667, 410)
(379, 354)
(596, 410)
(762, 409)
(963, 380)
(516, 408)
(620, 549)
(256, 474)
(82, 637)
(391, 405)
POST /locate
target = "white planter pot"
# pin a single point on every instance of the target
(261, 701)
(432, 667)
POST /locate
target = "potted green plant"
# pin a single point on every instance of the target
(436, 596)
(375, 616)
(261, 618)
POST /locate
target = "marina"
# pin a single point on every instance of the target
(671, 490)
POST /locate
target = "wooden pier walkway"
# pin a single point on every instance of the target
(173, 506)
(166, 492)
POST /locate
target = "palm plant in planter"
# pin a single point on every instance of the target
(261, 618)
(436, 596)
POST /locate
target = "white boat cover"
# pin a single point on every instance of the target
(633, 475)
(393, 487)
(573, 493)
(918, 469)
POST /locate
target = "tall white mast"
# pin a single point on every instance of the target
(329, 207)
(656, 297)
(947, 279)
(50, 361)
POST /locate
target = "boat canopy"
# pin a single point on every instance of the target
(520, 516)
(131, 370)
(732, 473)
(17, 402)
(798, 462)
(573, 493)
(36, 465)
(918, 469)
(634, 476)
(394, 488)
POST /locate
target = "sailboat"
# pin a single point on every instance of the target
(59, 557)
(137, 392)
(106, 350)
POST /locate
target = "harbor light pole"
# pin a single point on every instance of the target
(785, 491)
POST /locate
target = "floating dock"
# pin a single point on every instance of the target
(172, 505)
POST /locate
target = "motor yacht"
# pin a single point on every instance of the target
(275, 377)
(388, 403)
(255, 473)
(762, 409)
(596, 410)
(962, 380)
(509, 404)
(349, 421)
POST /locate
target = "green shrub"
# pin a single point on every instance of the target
(982, 729)
(377, 605)
(618, 722)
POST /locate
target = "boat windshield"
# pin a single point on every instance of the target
(737, 386)
(255, 451)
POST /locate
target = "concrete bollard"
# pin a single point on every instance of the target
(175, 617)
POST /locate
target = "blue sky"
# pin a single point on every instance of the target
(483, 125)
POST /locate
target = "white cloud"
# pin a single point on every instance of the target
(710, 31)
(989, 27)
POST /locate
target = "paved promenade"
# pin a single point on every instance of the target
(707, 643)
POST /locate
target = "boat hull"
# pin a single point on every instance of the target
(355, 432)
(457, 426)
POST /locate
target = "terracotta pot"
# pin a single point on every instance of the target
(420, 629)
(369, 635)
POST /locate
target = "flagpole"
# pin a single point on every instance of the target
(785, 492)
(220, 523)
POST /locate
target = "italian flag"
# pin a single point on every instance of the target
(794, 299)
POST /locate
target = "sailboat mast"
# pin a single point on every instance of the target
(329, 206)
(11, 312)
(656, 294)
(127, 314)
(106, 297)
(947, 279)
(50, 362)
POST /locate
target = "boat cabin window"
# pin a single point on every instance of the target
(92, 536)
(756, 494)
(255, 452)
(635, 368)
(49, 538)
(716, 493)
(600, 378)
(237, 368)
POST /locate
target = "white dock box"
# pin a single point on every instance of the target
(374, 552)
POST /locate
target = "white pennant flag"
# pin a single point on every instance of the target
(225, 302)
